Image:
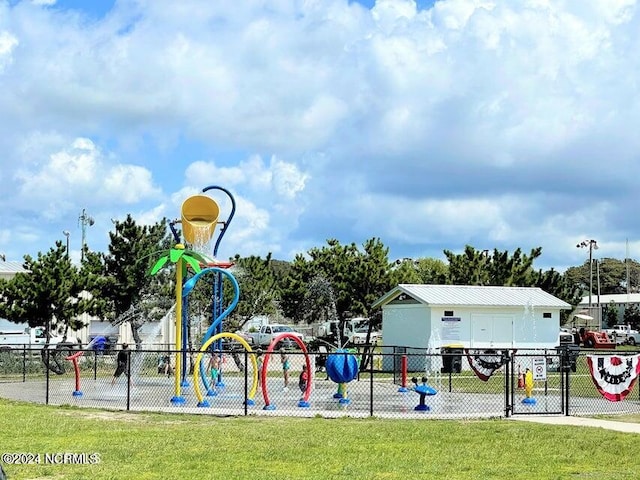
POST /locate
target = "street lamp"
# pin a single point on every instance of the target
(66, 233)
(593, 245)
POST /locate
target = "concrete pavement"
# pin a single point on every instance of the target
(580, 422)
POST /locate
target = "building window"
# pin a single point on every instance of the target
(546, 315)
(448, 313)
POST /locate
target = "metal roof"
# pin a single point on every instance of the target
(473, 295)
(614, 297)
(11, 267)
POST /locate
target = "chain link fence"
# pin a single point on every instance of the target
(405, 383)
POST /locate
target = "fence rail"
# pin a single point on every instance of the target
(402, 384)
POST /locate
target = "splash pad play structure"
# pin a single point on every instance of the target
(199, 218)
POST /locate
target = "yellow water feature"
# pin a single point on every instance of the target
(528, 383)
(199, 217)
(203, 349)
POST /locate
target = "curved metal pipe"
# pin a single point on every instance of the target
(226, 223)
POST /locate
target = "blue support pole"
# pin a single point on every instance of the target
(217, 283)
(217, 323)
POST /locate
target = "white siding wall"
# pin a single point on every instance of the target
(406, 325)
(508, 327)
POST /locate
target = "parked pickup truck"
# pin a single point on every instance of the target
(27, 338)
(267, 333)
(354, 332)
(623, 334)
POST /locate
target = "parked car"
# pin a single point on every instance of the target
(267, 333)
(623, 334)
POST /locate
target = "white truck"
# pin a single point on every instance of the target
(354, 332)
(28, 338)
(623, 334)
(267, 333)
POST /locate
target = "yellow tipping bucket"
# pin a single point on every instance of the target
(199, 219)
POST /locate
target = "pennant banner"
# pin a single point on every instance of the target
(485, 362)
(614, 375)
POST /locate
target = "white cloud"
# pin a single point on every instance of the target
(454, 14)
(7, 44)
(130, 183)
(454, 115)
(152, 216)
(80, 173)
(267, 199)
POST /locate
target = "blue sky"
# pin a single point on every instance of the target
(431, 125)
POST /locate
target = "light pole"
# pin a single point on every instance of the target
(66, 233)
(84, 219)
(593, 245)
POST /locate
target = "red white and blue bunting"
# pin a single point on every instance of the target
(614, 375)
(485, 362)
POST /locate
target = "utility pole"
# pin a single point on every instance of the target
(626, 264)
(84, 220)
(593, 245)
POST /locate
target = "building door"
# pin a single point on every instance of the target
(488, 330)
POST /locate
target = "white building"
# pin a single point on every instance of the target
(599, 303)
(474, 317)
(8, 269)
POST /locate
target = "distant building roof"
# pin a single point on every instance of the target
(606, 299)
(11, 267)
(473, 295)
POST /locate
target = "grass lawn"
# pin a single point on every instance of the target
(169, 446)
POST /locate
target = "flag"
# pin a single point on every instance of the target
(614, 375)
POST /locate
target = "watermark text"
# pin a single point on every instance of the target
(58, 458)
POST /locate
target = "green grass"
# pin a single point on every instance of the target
(169, 446)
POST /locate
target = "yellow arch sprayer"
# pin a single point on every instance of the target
(196, 371)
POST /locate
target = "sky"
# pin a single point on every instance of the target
(430, 125)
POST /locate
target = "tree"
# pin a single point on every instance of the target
(610, 314)
(258, 287)
(610, 274)
(404, 270)
(319, 303)
(423, 270)
(558, 285)
(357, 278)
(432, 271)
(49, 295)
(294, 287)
(479, 267)
(127, 289)
(468, 268)
(632, 315)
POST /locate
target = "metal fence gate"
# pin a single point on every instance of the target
(538, 382)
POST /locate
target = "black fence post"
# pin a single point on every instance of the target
(567, 387)
(507, 382)
(371, 387)
(246, 383)
(24, 363)
(46, 369)
(394, 360)
(129, 382)
(95, 364)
